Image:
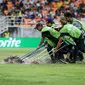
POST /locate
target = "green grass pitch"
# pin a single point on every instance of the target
(6, 52)
(44, 74)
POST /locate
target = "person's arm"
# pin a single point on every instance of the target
(41, 42)
(58, 44)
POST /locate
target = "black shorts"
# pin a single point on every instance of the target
(66, 49)
(80, 44)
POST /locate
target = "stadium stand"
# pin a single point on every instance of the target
(26, 13)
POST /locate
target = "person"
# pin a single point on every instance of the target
(75, 22)
(7, 34)
(74, 33)
(50, 45)
(12, 18)
(50, 22)
(61, 52)
(51, 34)
(78, 24)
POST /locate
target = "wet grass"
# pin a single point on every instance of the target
(47, 74)
(6, 52)
(44, 74)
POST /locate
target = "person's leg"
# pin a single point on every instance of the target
(74, 54)
(59, 56)
(82, 45)
(61, 51)
(80, 56)
(76, 49)
(70, 53)
(49, 48)
(68, 50)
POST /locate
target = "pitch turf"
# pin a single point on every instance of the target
(45, 74)
(6, 52)
(42, 74)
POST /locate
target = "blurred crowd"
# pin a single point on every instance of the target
(35, 11)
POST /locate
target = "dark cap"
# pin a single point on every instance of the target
(50, 20)
(54, 0)
(37, 25)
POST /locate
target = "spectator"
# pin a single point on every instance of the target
(7, 34)
(12, 18)
(43, 8)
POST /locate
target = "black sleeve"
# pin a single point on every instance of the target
(64, 34)
(45, 34)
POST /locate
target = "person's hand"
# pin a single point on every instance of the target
(38, 47)
(55, 50)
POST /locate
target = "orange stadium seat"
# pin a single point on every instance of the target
(26, 21)
(28, 25)
(84, 1)
(53, 5)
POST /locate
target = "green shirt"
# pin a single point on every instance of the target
(69, 29)
(78, 24)
(51, 35)
(52, 32)
(53, 25)
(69, 40)
(51, 43)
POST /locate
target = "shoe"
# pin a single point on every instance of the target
(68, 60)
(53, 59)
(63, 61)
